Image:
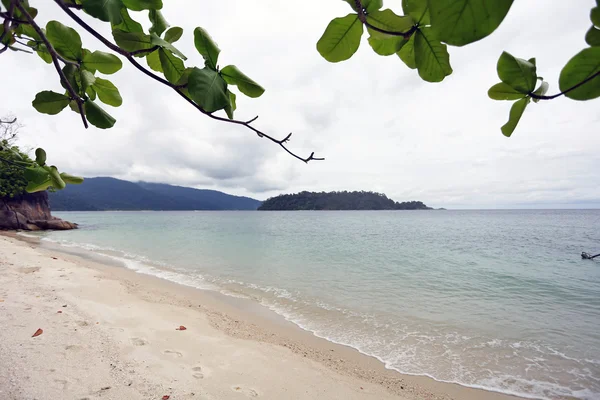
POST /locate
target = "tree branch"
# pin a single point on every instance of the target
(538, 97)
(55, 58)
(8, 122)
(362, 16)
(6, 28)
(133, 61)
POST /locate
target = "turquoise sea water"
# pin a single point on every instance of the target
(492, 299)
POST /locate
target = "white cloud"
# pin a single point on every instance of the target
(379, 126)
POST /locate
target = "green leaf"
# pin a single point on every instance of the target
(71, 73)
(40, 157)
(71, 180)
(460, 22)
(153, 60)
(516, 112)
(105, 10)
(341, 38)
(418, 10)
(592, 37)
(595, 16)
(48, 102)
(38, 179)
(159, 23)
(55, 178)
(208, 89)
(232, 106)
(431, 56)
(44, 55)
(132, 41)
(502, 91)
(66, 41)
(27, 30)
(516, 72)
(166, 45)
(388, 21)
(387, 47)
(127, 24)
(91, 93)
(97, 116)
(207, 48)
(87, 79)
(139, 5)
(407, 53)
(172, 66)
(104, 62)
(173, 34)
(107, 92)
(541, 91)
(368, 5)
(234, 76)
(584, 65)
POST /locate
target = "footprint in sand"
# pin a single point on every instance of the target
(138, 341)
(197, 373)
(62, 383)
(247, 391)
(173, 353)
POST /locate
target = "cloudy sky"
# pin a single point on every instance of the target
(380, 127)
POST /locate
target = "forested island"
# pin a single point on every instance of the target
(337, 201)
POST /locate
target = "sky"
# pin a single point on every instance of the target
(379, 126)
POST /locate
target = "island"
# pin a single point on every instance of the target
(337, 201)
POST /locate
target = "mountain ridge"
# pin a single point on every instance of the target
(111, 194)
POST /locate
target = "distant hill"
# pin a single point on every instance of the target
(337, 201)
(105, 194)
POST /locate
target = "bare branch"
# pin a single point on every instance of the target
(133, 61)
(55, 58)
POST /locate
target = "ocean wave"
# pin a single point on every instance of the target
(399, 346)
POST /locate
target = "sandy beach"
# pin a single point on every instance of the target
(110, 333)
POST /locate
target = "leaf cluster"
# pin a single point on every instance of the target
(421, 36)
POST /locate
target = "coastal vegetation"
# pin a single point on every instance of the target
(337, 201)
(419, 35)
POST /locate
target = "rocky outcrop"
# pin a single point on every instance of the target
(30, 212)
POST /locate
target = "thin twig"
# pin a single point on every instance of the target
(55, 58)
(12, 19)
(362, 16)
(538, 97)
(143, 51)
(177, 88)
(8, 122)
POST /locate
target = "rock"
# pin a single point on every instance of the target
(30, 212)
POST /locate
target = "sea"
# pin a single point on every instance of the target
(498, 300)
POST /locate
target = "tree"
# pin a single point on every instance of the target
(19, 173)
(420, 38)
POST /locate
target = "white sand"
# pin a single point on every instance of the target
(111, 334)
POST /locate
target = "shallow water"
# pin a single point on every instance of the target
(493, 299)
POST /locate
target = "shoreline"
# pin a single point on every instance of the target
(243, 319)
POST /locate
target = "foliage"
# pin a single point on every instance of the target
(420, 38)
(12, 175)
(19, 173)
(337, 201)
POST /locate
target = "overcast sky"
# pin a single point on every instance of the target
(379, 125)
